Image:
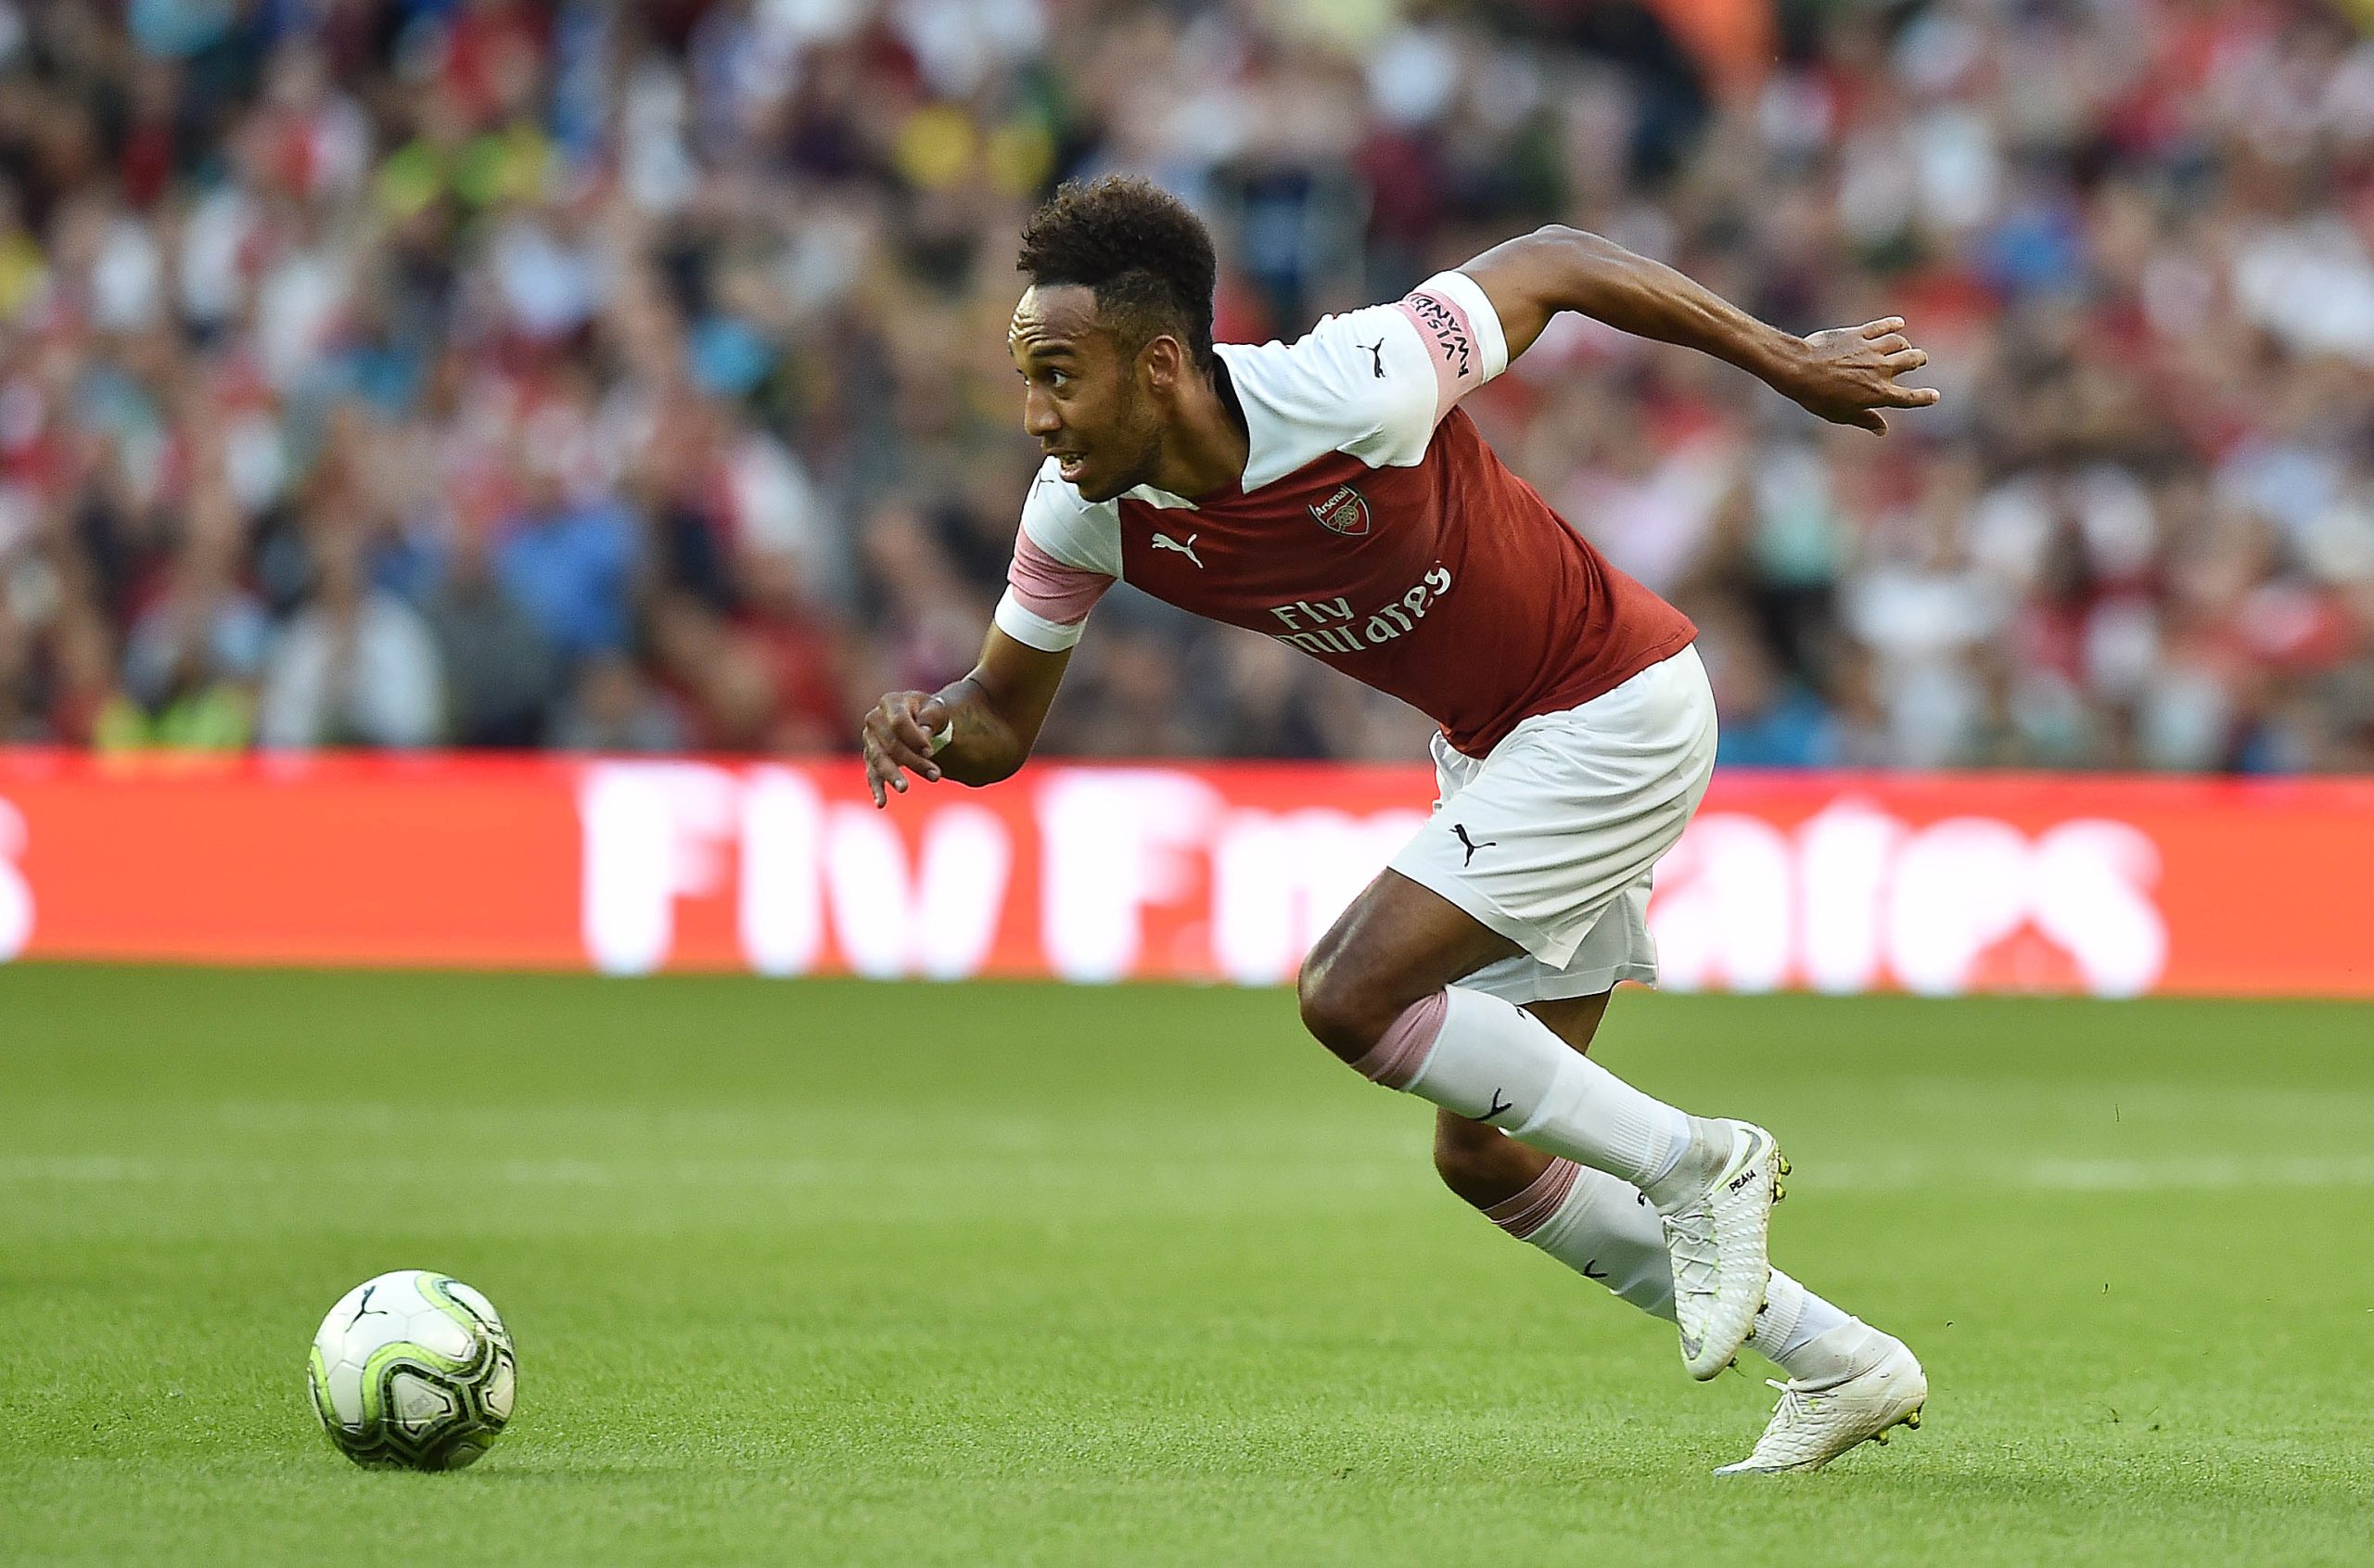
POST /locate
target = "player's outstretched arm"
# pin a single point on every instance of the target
(1847, 374)
(991, 719)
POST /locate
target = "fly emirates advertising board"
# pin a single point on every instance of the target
(1928, 884)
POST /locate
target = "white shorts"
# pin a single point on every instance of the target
(1549, 840)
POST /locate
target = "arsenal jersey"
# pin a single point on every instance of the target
(1372, 529)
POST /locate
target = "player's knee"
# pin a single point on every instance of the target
(1331, 1009)
(1344, 1005)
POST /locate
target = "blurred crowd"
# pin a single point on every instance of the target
(622, 376)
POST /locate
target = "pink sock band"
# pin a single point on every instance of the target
(1396, 1058)
(1531, 1209)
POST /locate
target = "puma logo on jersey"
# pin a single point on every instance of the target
(1164, 541)
(1459, 830)
(1376, 352)
(1346, 512)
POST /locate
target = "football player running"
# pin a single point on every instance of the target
(1332, 494)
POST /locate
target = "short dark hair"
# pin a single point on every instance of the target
(1145, 253)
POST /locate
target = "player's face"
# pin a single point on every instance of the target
(1084, 401)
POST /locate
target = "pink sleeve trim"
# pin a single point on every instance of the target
(1451, 343)
(1048, 589)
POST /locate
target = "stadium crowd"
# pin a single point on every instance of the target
(624, 377)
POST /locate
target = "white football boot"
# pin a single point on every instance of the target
(1813, 1426)
(1715, 1229)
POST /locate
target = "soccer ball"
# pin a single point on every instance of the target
(412, 1370)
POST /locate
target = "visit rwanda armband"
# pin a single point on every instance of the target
(1460, 332)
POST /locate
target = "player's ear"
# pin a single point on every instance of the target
(1161, 362)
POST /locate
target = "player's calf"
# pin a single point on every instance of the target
(1483, 1166)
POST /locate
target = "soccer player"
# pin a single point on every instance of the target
(1333, 494)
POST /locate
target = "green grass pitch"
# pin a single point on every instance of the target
(825, 1272)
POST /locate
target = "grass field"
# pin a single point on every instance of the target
(827, 1274)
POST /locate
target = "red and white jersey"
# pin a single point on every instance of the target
(1372, 529)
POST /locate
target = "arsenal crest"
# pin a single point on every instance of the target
(1346, 512)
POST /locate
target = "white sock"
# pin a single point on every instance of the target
(1794, 1333)
(1600, 1228)
(1492, 1060)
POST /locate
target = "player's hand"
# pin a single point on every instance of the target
(1848, 375)
(897, 739)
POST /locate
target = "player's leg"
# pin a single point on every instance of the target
(1547, 846)
(1604, 1229)
(1479, 1162)
(1600, 1226)
(1847, 1382)
(1377, 990)
(1527, 850)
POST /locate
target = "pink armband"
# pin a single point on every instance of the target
(1451, 343)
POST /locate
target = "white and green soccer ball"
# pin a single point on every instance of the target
(412, 1370)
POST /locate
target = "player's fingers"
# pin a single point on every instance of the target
(1882, 328)
(911, 744)
(1901, 360)
(897, 752)
(1893, 343)
(1871, 419)
(913, 750)
(886, 753)
(893, 736)
(1913, 397)
(932, 718)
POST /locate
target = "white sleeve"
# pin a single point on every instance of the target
(1068, 554)
(1374, 382)
(1451, 344)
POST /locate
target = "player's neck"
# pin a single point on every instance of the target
(1204, 445)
